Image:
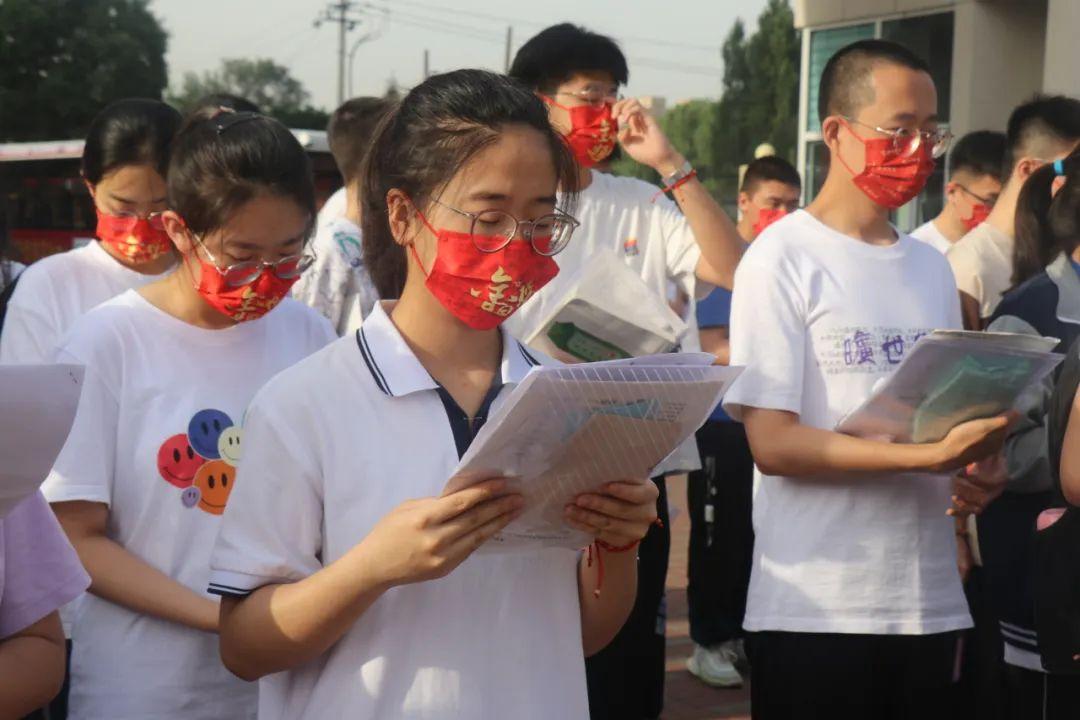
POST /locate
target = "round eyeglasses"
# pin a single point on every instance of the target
(595, 96)
(238, 274)
(492, 230)
(126, 222)
(907, 142)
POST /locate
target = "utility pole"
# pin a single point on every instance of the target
(509, 44)
(340, 12)
(427, 65)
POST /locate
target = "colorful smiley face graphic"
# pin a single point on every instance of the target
(177, 461)
(229, 447)
(205, 430)
(190, 497)
(214, 481)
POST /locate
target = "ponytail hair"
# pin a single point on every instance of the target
(1046, 224)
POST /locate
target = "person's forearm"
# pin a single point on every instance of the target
(602, 617)
(119, 576)
(279, 627)
(970, 312)
(716, 236)
(798, 450)
(31, 668)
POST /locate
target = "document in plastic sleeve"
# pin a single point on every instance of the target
(608, 313)
(951, 377)
(569, 430)
(37, 409)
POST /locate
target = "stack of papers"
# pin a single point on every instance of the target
(569, 430)
(951, 377)
(37, 408)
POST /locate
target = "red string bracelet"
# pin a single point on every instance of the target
(676, 185)
(600, 558)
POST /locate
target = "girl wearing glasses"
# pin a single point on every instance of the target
(349, 578)
(150, 463)
(123, 165)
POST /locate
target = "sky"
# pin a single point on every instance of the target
(673, 46)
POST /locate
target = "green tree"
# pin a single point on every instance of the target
(61, 61)
(759, 103)
(262, 81)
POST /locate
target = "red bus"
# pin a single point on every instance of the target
(49, 209)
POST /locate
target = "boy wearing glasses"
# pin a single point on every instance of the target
(690, 243)
(1040, 131)
(855, 602)
(973, 187)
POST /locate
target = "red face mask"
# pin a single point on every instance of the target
(482, 289)
(979, 213)
(136, 239)
(889, 178)
(246, 302)
(766, 217)
(592, 132)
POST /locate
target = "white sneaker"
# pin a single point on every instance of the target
(715, 666)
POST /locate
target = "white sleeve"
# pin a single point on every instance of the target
(271, 532)
(768, 338)
(29, 336)
(964, 260)
(84, 469)
(681, 249)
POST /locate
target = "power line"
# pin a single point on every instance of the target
(503, 19)
(462, 30)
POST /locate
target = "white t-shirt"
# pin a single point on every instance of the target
(332, 445)
(337, 284)
(817, 319)
(928, 232)
(982, 263)
(156, 437)
(617, 215)
(56, 291)
(333, 208)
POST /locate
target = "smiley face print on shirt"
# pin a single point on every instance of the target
(202, 462)
(178, 461)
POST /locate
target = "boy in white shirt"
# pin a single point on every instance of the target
(337, 284)
(974, 184)
(690, 243)
(1039, 132)
(855, 600)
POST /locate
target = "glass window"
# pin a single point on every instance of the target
(817, 167)
(931, 38)
(823, 45)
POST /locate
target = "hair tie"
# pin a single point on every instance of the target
(226, 118)
(1059, 167)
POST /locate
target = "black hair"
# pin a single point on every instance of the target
(349, 132)
(1040, 127)
(845, 82)
(226, 101)
(1045, 225)
(135, 131)
(980, 153)
(555, 54)
(222, 160)
(422, 143)
(770, 167)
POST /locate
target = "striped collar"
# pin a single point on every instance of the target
(397, 372)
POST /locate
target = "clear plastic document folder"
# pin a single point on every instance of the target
(568, 430)
(948, 378)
